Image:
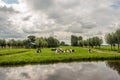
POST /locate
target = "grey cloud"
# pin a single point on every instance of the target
(6, 9)
(99, 33)
(88, 25)
(62, 74)
(26, 75)
(74, 16)
(80, 27)
(68, 4)
(27, 18)
(57, 11)
(11, 34)
(30, 31)
(7, 29)
(40, 4)
(75, 29)
(95, 33)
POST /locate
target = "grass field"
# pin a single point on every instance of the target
(108, 48)
(29, 56)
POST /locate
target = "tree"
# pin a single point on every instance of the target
(31, 38)
(81, 43)
(114, 39)
(80, 38)
(74, 40)
(117, 33)
(41, 42)
(62, 43)
(31, 41)
(19, 43)
(11, 43)
(90, 42)
(2, 43)
(110, 39)
(97, 41)
(100, 42)
(25, 43)
(52, 42)
(85, 42)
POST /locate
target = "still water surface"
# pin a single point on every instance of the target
(63, 71)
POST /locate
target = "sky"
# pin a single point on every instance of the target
(58, 18)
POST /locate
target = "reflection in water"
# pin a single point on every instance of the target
(61, 71)
(115, 66)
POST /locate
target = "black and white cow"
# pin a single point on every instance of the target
(60, 50)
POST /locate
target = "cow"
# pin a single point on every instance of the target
(64, 51)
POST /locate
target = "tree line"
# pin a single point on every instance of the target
(113, 39)
(30, 42)
(90, 42)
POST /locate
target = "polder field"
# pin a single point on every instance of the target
(21, 56)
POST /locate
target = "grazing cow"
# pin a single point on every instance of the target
(72, 50)
(69, 51)
(38, 50)
(59, 50)
(89, 50)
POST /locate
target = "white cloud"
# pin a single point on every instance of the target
(84, 17)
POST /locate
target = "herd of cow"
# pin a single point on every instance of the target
(60, 50)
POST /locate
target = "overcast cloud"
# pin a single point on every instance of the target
(19, 18)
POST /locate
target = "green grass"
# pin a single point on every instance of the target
(10, 51)
(108, 49)
(29, 56)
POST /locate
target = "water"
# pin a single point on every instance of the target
(63, 71)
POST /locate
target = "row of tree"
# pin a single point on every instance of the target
(30, 42)
(11, 43)
(90, 42)
(113, 39)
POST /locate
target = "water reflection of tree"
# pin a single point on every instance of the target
(114, 65)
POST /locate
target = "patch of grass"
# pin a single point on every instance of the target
(108, 49)
(10, 51)
(29, 56)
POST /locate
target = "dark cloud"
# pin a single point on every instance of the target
(40, 4)
(99, 33)
(88, 25)
(26, 75)
(62, 74)
(7, 29)
(80, 27)
(6, 9)
(12, 35)
(70, 16)
(68, 4)
(27, 18)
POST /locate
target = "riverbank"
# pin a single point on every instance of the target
(11, 57)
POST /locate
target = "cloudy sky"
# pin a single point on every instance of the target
(20, 18)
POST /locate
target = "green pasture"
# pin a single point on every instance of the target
(108, 49)
(29, 56)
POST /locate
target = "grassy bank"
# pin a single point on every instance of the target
(29, 56)
(108, 49)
